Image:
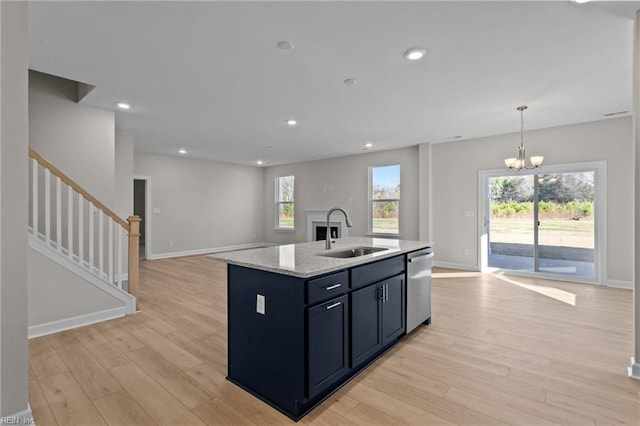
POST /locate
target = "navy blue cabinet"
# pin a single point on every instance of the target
(377, 318)
(328, 344)
(293, 341)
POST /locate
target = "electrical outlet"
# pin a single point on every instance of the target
(260, 304)
(170, 243)
(465, 252)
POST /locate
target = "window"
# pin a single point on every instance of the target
(284, 202)
(384, 196)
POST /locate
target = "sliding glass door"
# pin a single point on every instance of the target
(542, 222)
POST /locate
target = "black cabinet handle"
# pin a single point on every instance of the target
(333, 305)
(331, 287)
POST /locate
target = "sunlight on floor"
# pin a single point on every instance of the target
(554, 293)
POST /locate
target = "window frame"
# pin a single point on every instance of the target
(278, 203)
(371, 200)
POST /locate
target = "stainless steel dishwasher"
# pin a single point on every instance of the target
(419, 287)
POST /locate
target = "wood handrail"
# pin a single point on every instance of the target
(66, 179)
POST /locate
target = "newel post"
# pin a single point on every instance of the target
(134, 241)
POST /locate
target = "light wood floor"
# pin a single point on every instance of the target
(500, 350)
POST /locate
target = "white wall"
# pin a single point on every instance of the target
(13, 209)
(54, 293)
(202, 204)
(342, 182)
(76, 138)
(455, 184)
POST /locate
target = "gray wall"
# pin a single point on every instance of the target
(455, 184)
(201, 204)
(54, 293)
(13, 208)
(123, 170)
(342, 182)
(77, 139)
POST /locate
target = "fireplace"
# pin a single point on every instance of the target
(320, 231)
(317, 225)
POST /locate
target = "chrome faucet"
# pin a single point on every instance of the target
(327, 244)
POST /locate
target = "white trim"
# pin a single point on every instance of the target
(197, 252)
(148, 212)
(75, 322)
(633, 370)
(600, 179)
(620, 284)
(127, 299)
(25, 416)
(453, 265)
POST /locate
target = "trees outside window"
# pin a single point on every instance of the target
(384, 199)
(285, 202)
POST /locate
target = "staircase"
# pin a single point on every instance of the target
(72, 228)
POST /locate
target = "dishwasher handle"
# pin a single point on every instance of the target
(420, 255)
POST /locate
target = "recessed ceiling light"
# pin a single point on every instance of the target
(350, 82)
(580, 1)
(291, 122)
(285, 45)
(123, 105)
(269, 147)
(368, 145)
(414, 53)
(259, 162)
(182, 151)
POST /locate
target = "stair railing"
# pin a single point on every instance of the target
(68, 219)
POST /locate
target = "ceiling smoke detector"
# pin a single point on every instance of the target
(285, 45)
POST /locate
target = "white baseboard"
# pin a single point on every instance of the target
(75, 322)
(197, 252)
(452, 265)
(620, 284)
(24, 417)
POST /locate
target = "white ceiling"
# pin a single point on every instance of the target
(208, 76)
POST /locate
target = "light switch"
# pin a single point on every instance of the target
(468, 213)
(156, 210)
(260, 304)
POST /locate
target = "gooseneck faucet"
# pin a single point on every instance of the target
(327, 244)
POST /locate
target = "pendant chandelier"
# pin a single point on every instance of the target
(520, 163)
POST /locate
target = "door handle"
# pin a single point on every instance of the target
(333, 305)
(386, 293)
(331, 287)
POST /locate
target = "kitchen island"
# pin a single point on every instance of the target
(303, 320)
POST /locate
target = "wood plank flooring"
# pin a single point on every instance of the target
(500, 350)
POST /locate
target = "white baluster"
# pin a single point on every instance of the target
(47, 206)
(81, 230)
(110, 267)
(34, 195)
(59, 213)
(119, 257)
(91, 232)
(70, 220)
(101, 242)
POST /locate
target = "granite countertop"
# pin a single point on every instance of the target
(302, 260)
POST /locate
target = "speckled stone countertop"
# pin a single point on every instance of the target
(302, 260)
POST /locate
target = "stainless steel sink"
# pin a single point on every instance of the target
(352, 252)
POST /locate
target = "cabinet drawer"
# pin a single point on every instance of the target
(372, 272)
(324, 288)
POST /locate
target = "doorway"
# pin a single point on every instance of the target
(140, 208)
(546, 221)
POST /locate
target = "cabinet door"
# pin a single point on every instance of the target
(328, 344)
(365, 323)
(393, 308)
